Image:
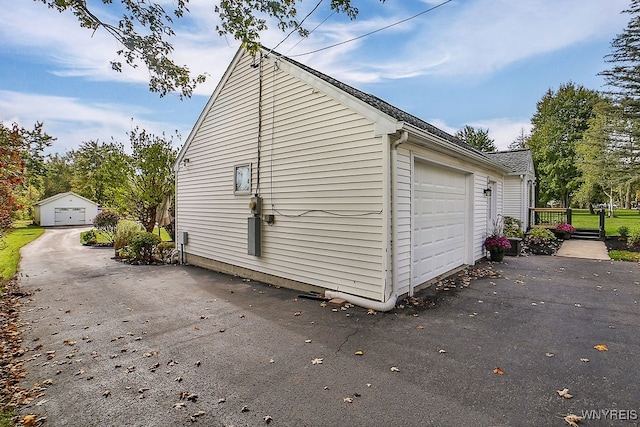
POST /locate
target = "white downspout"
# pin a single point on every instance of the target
(390, 303)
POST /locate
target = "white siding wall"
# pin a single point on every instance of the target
(515, 197)
(478, 205)
(404, 220)
(321, 175)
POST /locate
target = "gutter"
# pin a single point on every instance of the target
(390, 303)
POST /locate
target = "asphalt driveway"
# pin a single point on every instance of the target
(119, 345)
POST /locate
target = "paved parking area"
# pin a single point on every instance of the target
(164, 345)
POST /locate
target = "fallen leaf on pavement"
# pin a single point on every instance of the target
(550, 355)
(584, 359)
(372, 312)
(442, 351)
(348, 400)
(307, 341)
(498, 371)
(28, 420)
(317, 361)
(107, 393)
(420, 327)
(394, 369)
(359, 353)
(573, 420)
(179, 405)
(564, 393)
(601, 347)
(267, 419)
(69, 342)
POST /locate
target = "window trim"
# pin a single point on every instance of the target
(235, 179)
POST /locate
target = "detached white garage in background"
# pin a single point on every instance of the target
(65, 209)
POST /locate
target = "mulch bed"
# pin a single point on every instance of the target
(617, 244)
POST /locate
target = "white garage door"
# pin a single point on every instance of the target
(439, 220)
(69, 216)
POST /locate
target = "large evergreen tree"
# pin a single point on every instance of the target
(623, 78)
(560, 121)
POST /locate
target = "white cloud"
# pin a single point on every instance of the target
(73, 120)
(503, 131)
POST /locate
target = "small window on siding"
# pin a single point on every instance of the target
(242, 179)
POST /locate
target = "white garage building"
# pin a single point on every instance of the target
(65, 209)
(293, 178)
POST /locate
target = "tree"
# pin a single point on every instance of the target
(145, 27)
(20, 155)
(560, 120)
(622, 77)
(58, 174)
(477, 138)
(152, 180)
(101, 173)
(520, 142)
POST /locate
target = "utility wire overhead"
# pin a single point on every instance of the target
(374, 31)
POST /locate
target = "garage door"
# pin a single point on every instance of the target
(439, 220)
(69, 216)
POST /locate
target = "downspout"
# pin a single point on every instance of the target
(390, 303)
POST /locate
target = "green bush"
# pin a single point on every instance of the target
(124, 231)
(512, 227)
(633, 239)
(89, 238)
(143, 244)
(164, 248)
(107, 222)
(540, 236)
(623, 231)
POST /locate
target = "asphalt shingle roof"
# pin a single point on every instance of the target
(382, 105)
(515, 160)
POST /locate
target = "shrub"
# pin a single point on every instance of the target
(633, 239)
(107, 223)
(164, 248)
(513, 227)
(124, 231)
(89, 237)
(540, 236)
(143, 244)
(623, 231)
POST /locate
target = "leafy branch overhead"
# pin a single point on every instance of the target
(145, 28)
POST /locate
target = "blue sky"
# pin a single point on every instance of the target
(485, 63)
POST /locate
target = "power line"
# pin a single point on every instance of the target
(310, 32)
(373, 32)
(297, 26)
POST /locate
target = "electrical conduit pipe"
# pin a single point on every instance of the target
(393, 298)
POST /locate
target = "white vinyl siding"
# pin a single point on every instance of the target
(321, 176)
(403, 220)
(515, 195)
(477, 222)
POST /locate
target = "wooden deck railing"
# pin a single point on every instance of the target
(549, 217)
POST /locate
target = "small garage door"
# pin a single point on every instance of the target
(69, 216)
(439, 220)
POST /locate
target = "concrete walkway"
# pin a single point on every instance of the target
(586, 249)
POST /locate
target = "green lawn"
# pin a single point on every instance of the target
(21, 234)
(581, 218)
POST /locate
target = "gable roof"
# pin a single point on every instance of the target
(60, 196)
(518, 161)
(373, 102)
(380, 104)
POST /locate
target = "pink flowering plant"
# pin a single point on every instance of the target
(497, 243)
(565, 228)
